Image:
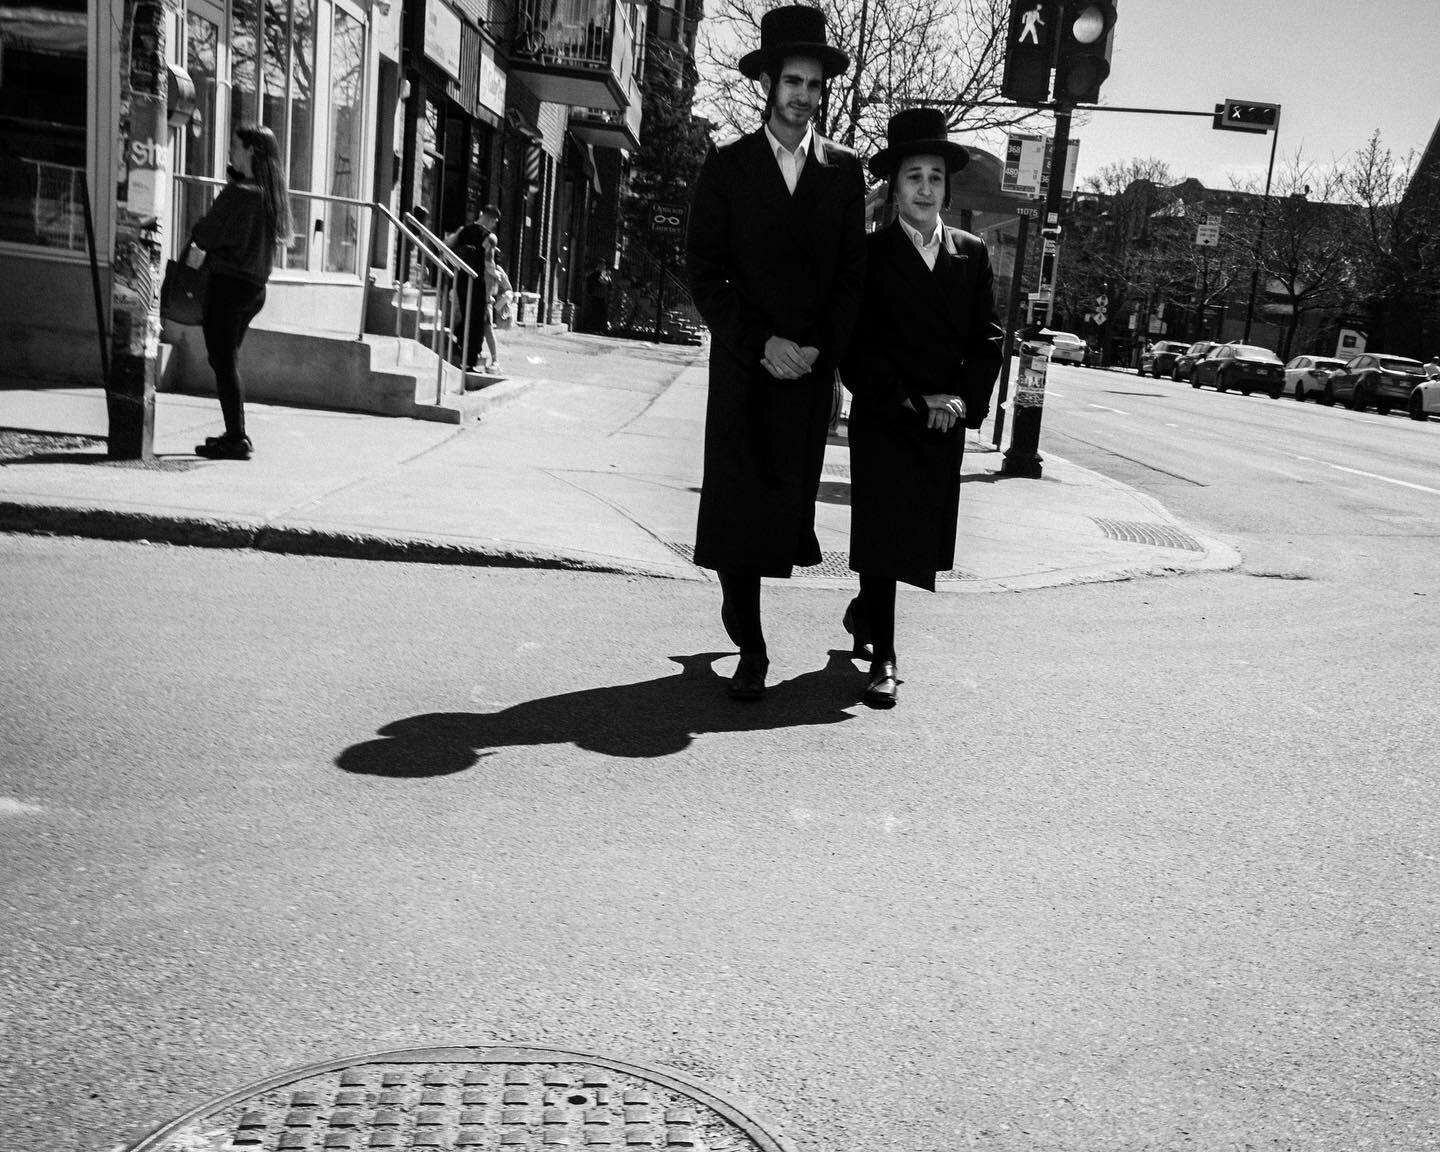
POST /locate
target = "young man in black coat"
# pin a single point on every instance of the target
(775, 253)
(921, 372)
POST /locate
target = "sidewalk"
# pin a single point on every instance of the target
(587, 457)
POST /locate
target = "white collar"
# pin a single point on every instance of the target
(932, 241)
(801, 149)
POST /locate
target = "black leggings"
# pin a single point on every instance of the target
(742, 603)
(877, 605)
(230, 306)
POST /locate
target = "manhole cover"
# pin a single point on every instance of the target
(1141, 532)
(468, 1100)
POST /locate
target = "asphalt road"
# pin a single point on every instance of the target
(1145, 865)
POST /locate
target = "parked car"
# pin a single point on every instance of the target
(1159, 358)
(1247, 367)
(1186, 361)
(1305, 375)
(1374, 378)
(1067, 348)
(1425, 399)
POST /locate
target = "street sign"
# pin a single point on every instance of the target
(1207, 235)
(667, 219)
(1246, 116)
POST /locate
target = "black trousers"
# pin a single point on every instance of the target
(230, 306)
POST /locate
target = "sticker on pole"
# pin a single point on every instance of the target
(1030, 384)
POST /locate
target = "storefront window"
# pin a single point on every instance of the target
(202, 44)
(244, 90)
(44, 85)
(347, 137)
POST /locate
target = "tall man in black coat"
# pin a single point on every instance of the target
(776, 256)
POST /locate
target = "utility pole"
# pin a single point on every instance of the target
(1023, 457)
(142, 202)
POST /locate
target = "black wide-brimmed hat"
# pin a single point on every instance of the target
(912, 132)
(795, 30)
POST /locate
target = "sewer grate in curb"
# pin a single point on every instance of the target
(832, 566)
(468, 1100)
(1141, 532)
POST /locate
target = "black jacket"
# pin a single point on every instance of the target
(763, 262)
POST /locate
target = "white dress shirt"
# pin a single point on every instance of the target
(790, 162)
(928, 247)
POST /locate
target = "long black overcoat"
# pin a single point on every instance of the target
(763, 262)
(922, 331)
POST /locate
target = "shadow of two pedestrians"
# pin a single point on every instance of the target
(647, 719)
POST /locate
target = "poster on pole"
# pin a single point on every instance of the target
(1027, 164)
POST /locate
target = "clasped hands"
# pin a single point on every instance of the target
(786, 360)
(943, 411)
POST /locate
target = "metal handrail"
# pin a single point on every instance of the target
(458, 266)
(432, 251)
(362, 255)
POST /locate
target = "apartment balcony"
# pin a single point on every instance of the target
(605, 129)
(578, 52)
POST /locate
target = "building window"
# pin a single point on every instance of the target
(44, 86)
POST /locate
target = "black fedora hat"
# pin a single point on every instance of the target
(912, 132)
(795, 30)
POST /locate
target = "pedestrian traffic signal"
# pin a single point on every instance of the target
(1087, 30)
(1029, 50)
(1246, 116)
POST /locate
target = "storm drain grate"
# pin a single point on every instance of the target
(468, 1100)
(832, 566)
(1140, 532)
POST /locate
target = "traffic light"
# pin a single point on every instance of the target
(1246, 116)
(1087, 30)
(1029, 50)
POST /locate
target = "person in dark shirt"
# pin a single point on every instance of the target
(238, 238)
(474, 243)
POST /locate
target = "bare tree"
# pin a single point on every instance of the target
(1300, 241)
(901, 52)
(1395, 250)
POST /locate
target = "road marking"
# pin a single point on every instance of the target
(1387, 479)
(9, 806)
(1368, 475)
(1104, 408)
(1057, 395)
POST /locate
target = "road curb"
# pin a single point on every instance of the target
(297, 540)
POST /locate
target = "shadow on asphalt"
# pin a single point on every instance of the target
(647, 719)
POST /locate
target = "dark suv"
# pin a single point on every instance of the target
(1159, 358)
(1186, 361)
(1374, 378)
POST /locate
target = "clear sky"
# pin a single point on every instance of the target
(1339, 68)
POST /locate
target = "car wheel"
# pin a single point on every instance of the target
(1220, 385)
(1275, 393)
(1327, 397)
(1382, 407)
(1175, 374)
(1300, 392)
(1358, 402)
(1417, 406)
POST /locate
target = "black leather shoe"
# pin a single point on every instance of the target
(226, 448)
(748, 683)
(855, 623)
(883, 690)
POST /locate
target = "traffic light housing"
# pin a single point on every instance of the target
(1246, 116)
(1087, 32)
(1030, 50)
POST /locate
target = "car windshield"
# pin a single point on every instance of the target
(1400, 364)
(1250, 352)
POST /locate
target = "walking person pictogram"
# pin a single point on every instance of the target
(1030, 25)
